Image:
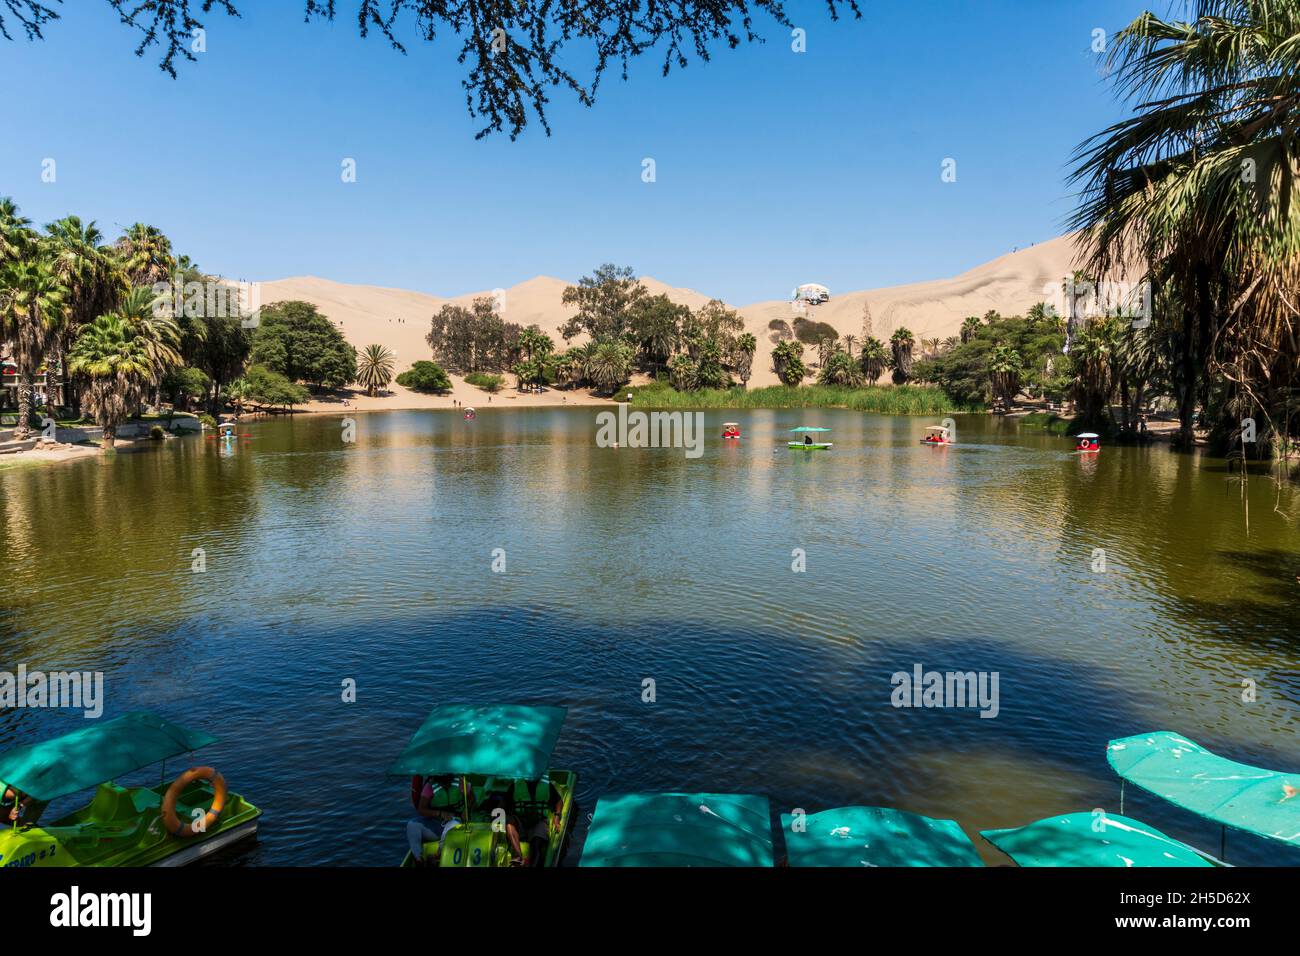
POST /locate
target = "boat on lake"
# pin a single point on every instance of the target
(807, 444)
(164, 825)
(679, 829)
(483, 770)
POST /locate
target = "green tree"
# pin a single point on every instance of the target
(268, 387)
(840, 369)
(606, 302)
(296, 341)
(901, 344)
(116, 364)
(787, 359)
(32, 304)
(873, 359)
(374, 368)
(743, 356)
(146, 255)
(1199, 186)
(425, 376)
(609, 366)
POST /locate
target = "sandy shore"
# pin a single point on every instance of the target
(396, 398)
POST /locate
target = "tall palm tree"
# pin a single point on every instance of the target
(375, 366)
(743, 359)
(14, 230)
(91, 274)
(32, 304)
(150, 321)
(535, 343)
(970, 326)
(901, 344)
(873, 359)
(116, 362)
(1198, 190)
(1005, 369)
(146, 255)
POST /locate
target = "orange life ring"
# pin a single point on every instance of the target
(170, 820)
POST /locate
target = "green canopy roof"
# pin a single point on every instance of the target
(503, 740)
(809, 428)
(1264, 802)
(100, 751)
(876, 836)
(679, 829)
(1085, 839)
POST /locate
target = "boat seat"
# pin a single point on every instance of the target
(144, 800)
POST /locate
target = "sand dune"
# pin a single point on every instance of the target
(399, 319)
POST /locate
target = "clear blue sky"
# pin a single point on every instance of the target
(773, 168)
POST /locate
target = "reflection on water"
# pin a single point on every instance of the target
(372, 560)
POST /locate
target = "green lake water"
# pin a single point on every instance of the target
(373, 560)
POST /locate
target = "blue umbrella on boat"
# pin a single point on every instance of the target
(679, 829)
(875, 836)
(1088, 838)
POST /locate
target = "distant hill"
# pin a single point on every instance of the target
(399, 318)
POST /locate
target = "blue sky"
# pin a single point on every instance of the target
(773, 168)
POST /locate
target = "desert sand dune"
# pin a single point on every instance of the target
(399, 319)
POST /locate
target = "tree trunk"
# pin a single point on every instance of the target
(110, 435)
(1187, 390)
(23, 431)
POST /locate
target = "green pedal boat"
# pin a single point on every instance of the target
(480, 785)
(165, 825)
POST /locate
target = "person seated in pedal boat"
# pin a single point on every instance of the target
(539, 836)
(500, 808)
(433, 823)
(807, 439)
(16, 807)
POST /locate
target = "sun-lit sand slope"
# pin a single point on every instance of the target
(399, 319)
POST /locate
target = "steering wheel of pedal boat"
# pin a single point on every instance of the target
(173, 823)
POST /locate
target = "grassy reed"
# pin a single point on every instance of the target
(881, 399)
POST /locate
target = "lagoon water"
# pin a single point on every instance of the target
(373, 561)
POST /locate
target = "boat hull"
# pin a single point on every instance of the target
(477, 844)
(122, 827)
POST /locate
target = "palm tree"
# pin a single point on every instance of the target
(1093, 359)
(787, 360)
(146, 255)
(32, 304)
(375, 367)
(117, 364)
(970, 327)
(147, 315)
(1005, 369)
(91, 274)
(535, 343)
(1198, 188)
(873, 359)
(743, 361)
(609, 365)
(849, 342)
(901, 344)
(840, 369)
(14, 230)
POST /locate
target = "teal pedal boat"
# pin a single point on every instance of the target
(679, 829)
(483, 770)
(165, 825)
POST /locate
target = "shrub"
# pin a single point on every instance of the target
(425, 376)
(489, 383)
(156, 433)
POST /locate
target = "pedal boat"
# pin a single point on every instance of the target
(809, 446)
(165, 825)
(486, 749)
(936, 435)
(1087, 442)
(679, 829)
